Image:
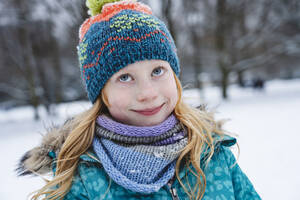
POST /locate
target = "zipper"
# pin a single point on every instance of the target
(173, 191)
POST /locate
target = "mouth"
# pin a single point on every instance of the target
(150, 111)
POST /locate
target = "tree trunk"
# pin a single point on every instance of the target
(58, 73)
(167, 12)
(240, 75)
(225, 80)
(220, 37)
(28, 58)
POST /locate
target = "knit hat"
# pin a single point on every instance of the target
(118, 34)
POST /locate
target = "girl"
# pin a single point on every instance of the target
(139, 140)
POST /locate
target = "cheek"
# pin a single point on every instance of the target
(119, 102)
(170, 92)
(174, 97)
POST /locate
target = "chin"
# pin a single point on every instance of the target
(153, 122)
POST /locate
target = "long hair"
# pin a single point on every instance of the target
(198, 123)
(78, 141)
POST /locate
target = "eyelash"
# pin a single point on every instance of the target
(123, 76)
(160, 67)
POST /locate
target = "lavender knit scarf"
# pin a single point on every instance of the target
(141, 159)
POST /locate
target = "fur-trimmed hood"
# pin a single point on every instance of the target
(39, 159)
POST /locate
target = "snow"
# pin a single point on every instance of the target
(266, 124)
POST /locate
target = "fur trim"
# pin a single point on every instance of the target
(37, 161)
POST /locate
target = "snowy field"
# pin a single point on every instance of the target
(267, 125)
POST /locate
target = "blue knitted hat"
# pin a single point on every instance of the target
(122, 33)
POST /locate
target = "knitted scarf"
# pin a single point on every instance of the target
(141, 159)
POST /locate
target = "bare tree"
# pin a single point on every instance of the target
(18, 48)
(34, 46)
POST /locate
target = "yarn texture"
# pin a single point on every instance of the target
(128, 130)
(95, 6)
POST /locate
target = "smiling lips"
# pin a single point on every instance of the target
(150, 111)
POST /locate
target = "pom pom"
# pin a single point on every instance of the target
(95, 6)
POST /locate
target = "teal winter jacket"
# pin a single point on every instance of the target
(224, 180)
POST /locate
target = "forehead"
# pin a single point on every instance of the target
(143, 65)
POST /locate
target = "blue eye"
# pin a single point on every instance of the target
(158, 71)
(125, 78)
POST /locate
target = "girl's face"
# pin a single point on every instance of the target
(142, 94)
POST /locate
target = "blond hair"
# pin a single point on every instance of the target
(199, 125)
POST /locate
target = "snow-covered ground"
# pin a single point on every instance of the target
(267, 125)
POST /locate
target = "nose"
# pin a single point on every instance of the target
(146, 91)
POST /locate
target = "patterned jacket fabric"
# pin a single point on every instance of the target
(224, 180)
